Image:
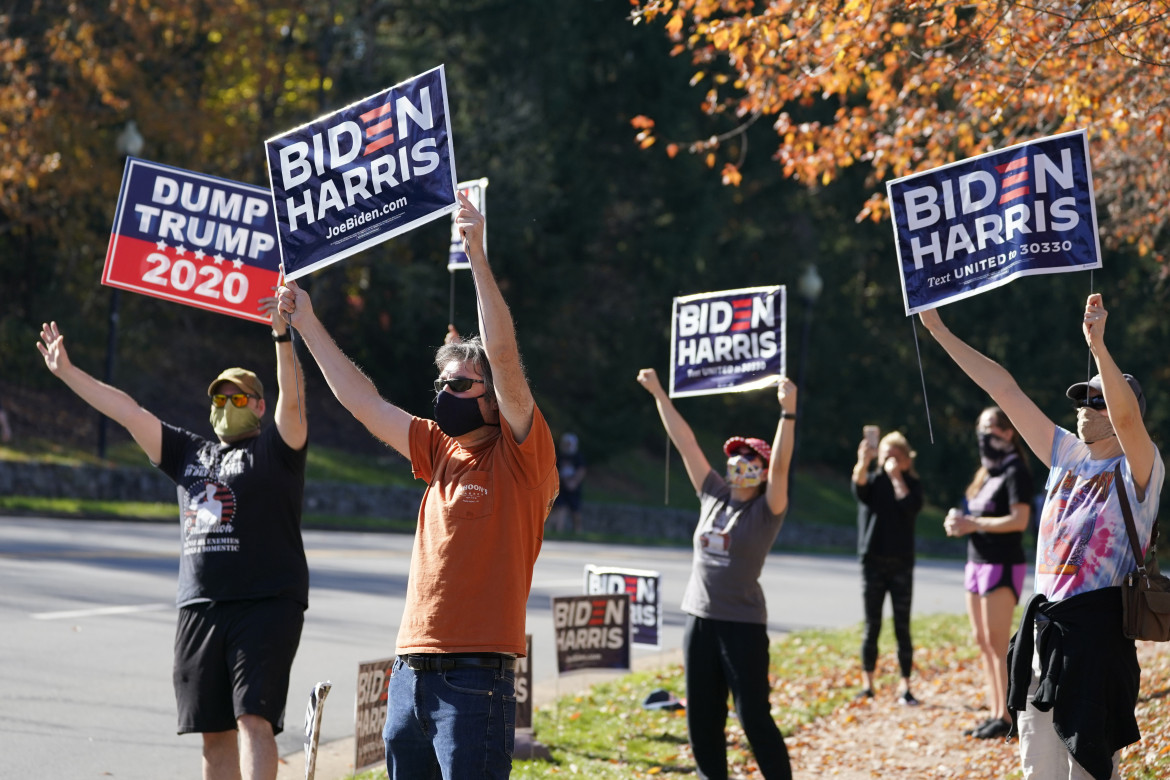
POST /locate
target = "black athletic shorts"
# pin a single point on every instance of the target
(233, 658)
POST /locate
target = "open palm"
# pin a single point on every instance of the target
(52, 347)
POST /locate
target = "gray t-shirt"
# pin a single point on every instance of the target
(731, 543)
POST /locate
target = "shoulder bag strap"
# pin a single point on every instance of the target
(1131, 531)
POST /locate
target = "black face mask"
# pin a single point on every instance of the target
(992, 449)
(457, 416)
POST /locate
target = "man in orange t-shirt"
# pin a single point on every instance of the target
(489, 461)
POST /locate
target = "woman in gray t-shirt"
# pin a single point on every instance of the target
(725, 648)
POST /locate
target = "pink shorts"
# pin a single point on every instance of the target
(982, 578)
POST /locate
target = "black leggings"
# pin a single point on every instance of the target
(720, 656)
(878, 578)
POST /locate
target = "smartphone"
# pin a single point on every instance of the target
(872, 433)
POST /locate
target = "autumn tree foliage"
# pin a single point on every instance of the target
(907, 85)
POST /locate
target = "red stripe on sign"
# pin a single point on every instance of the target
(1014, 165)
(740, 303)
(370, 116)
(740, 326)
(1012, 181)
(380, 128)
(374, 146)
(742, 314)
(139, 266)
(1019, 192)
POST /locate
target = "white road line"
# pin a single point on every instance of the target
(98, 612)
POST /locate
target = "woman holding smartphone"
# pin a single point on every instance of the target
(889, 498)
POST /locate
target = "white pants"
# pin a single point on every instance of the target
(1043, 756)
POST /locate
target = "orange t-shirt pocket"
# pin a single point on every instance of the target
(473, 498)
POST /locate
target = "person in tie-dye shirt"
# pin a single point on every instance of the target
(1082, 546)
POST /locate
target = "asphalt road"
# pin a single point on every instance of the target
(87, 616)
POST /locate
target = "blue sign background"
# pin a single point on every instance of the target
(378, 212)
(719, 347)
(1033, 233)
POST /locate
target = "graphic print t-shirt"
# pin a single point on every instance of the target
(239, 516)
(1083, 544)
(731, 543)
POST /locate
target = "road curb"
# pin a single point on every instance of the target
(335, 759)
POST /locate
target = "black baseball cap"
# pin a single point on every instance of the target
(1081, 389)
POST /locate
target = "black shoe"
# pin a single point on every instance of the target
(866, 693)
(995, 729)
(907, 699)
(971, 731)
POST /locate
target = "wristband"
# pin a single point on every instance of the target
(788, 416)
(282, 337)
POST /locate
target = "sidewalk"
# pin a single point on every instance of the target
(335, 759)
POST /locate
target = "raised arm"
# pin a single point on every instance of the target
(496, 328)
(289, 416)
(1035, 426)
(1124, 411)
(677, 429)
(353, 389)
(110, 401)
(776, 494)
(865, 455)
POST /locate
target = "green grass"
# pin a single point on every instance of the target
(77, 507)
(332, 465)
(605, 733)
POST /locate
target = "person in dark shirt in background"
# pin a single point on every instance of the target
(889, 498)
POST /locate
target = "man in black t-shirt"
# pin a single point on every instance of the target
(243, 578)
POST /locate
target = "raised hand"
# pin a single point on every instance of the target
(293, 303)
(470, 223)
(786, 393)
(930, 319)
(1094, 320)
(648, 378)
(52, 348)
(271, 307)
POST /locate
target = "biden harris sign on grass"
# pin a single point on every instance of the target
(727, 342)
(364, 174)
(977, 224)
(194, 239)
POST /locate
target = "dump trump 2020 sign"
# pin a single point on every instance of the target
(194, 239)
(361, 175)
(727, 342)
(979, 223)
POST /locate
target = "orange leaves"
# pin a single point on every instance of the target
(671, 150)
(731, 175)
(938, 82)
(645, 138)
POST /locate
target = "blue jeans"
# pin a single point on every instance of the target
(456, 724)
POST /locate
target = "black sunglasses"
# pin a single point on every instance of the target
(458, 384)
(1092, 402)
(239, 400)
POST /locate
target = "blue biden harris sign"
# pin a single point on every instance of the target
(979, 223)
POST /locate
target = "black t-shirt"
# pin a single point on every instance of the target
(1005, 486)
(239, 515)
(885, 523)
